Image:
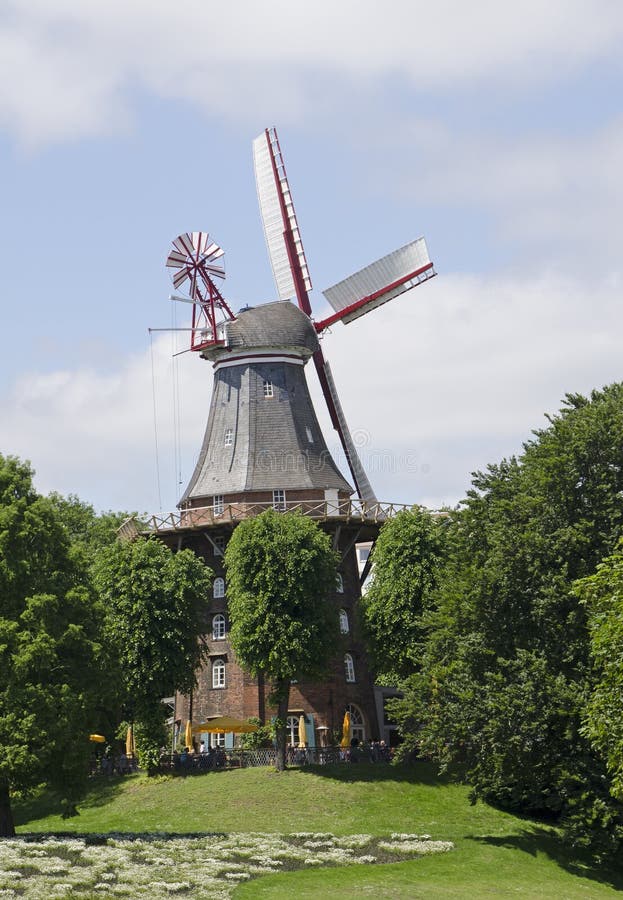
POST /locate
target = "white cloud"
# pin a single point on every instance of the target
(72, 65)
(435, 384)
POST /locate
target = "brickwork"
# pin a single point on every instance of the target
(242, 696)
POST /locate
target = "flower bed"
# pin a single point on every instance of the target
(161, 865)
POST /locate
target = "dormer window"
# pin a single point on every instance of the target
(268, 388)
(309, 434)
(229, 437)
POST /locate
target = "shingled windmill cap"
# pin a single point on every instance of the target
(279, 326)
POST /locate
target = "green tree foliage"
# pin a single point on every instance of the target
(406, 558)
(506, 666)
(51, 660)
(603, 594)
(155, 603)
(281, 572)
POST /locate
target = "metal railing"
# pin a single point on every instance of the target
(198, 763)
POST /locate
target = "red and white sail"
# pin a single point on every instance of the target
(281, 230)
(379, 282)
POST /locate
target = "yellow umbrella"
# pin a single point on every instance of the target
(225, 724)
(129, 742)
(302, 732)
(97, 738)
(188, 735)
(345, 742)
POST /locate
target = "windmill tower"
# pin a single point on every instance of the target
(263, 445)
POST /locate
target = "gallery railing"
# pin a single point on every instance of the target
(345, 511)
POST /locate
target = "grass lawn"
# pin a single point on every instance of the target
(495, 855)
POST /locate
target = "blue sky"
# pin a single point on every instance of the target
(495, 130)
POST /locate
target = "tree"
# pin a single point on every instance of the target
(52, 662)
(281, 571)
(603, 594)
(506, 665)
(406, 560)
(155, 603)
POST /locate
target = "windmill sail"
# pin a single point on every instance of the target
(281, 230)
(379, 282)
(364, 488)
(289, 265)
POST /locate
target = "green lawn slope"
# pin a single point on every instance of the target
(496, 854)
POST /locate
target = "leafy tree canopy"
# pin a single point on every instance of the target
(51, 659)
(603, 593)
(507, 655)
(155, 603)
(406, 558)
(281, 572)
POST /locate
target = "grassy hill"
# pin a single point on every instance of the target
(496, 854)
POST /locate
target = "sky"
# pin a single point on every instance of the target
(493, 129)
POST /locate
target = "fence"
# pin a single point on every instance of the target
(196, 763)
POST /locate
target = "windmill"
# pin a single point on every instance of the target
(263, 446)
(195, 258)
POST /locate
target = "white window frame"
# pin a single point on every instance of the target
(218, 504)
(349, 667)
(269, 391)
(279, 499)
(344, 624)
(339, 583)
(217, 739)
(229, 437)
(292, 729)
(219, 627)
(218, 588)
(218, 673)
(357, 722)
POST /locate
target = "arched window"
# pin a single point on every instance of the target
(218, 627)
(349, 665)
(218, 673)
(344, 626)
(219, 588)
(357, 722)
(339, 583)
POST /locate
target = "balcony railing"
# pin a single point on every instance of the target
(345, 511)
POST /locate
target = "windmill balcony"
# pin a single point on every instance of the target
(340, 511)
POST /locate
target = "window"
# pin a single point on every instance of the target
(344, 626)
(268, 388)
(339, 583)
(292, 730)
(229, 437)
(218, 627)
(349, 665)
(279, 499)
(309, 434)
(357, 723)
(218, 504)
(218, 673)
(363, 553)
(219, 545)
(218, 590)
(217, 740)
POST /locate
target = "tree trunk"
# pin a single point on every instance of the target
(282, 695)
(7, 826)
